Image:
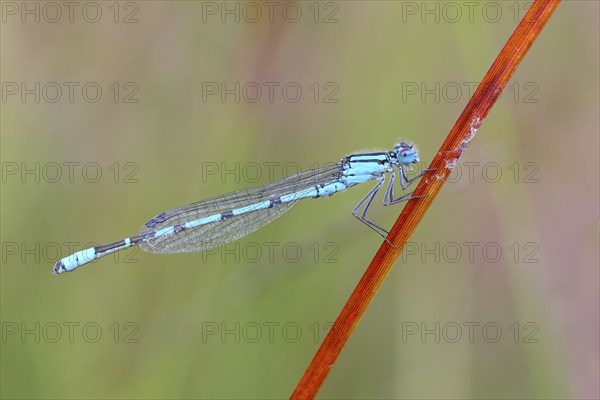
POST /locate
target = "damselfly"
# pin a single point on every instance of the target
(211, 223)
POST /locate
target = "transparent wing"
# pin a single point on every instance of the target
(214, 234)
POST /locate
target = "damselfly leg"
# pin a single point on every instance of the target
(388, 199)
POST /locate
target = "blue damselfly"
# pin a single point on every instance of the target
(211, 223)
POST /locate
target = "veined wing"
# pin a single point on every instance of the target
(214, 234)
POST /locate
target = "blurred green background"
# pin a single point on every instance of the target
(495, 297)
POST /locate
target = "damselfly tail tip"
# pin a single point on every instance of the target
(59, 268)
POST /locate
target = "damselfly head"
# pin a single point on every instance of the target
(407, 153)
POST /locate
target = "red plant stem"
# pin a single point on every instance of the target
(444, 162)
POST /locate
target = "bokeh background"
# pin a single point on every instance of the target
(495, 297)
